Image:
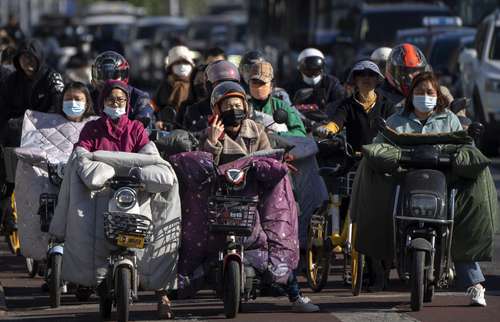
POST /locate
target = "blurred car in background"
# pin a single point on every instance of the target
(376, 25)
(150, 41)
(432, 26)
(480, 71)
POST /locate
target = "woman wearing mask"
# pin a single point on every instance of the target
(114, 131)
(426, 112)
(174, 91)
(77, 102)
(231, 134)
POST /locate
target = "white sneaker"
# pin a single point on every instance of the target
(303, 305)
(476, 294)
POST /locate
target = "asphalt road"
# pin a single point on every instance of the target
(27, 302)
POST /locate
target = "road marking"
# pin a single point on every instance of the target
(373, 316)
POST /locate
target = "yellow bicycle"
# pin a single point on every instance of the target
(331, 232)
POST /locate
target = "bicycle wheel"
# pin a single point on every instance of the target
(357, 266)
(318, 254)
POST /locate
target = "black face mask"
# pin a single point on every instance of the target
(233, 117)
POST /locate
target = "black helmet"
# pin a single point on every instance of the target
(110, 65)
(311, 62)
(226, 89)
(248, 59)
(222, 70)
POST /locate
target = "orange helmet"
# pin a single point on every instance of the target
(404, 63)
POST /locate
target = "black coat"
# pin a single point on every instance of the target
(328, 92)
(42, 92)
(361, 127)
(196, 115)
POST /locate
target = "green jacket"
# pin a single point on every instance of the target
(294, 124)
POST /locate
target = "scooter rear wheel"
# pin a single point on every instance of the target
(55, 280)
(123, 276)
(232, 289)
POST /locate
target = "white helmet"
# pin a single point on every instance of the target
(309, 52)
(381, 54)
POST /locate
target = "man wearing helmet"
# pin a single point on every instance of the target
(196, 116)
(404, 63)
(110, 65)
(326, 88)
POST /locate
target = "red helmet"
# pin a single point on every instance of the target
(405, 61)
(110, 65)
(222, 70)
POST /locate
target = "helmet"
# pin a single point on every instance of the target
(224, 90)
(248, 59)
(381, 54)
(405, 61)
(110, 65)
(222, 70)
(311, 62)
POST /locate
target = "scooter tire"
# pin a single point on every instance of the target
(232, 289)
(55, 280)
(417, 280)
(123, 277)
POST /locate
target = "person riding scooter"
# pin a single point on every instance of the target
(426, 112)
(312, 74)
(110, 65)
(260, 78)
(197, 115)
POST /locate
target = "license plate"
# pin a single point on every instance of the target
(130, 241)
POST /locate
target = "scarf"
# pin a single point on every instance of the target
(367, 102)
(180, 91)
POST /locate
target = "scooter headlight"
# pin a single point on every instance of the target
(423, 205)
(125, 198)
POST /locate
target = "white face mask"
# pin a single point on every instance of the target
(114, 113)
(311, 80)
(183, 70)
(424, 103)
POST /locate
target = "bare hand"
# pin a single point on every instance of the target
(160, 125)
(215, 130)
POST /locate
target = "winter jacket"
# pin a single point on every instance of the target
(125, 135)
(251, 138)
(361, 126)
(294, 123)
(328, 91)
(405, 122)
(19, 93)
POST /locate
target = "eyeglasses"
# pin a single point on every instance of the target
(119, 100)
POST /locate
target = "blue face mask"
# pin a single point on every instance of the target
(73, 108)
(114, 113)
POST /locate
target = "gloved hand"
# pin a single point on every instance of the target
(330, 128)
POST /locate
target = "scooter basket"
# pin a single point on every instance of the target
(345, 184)
(232, 215)
(121, 223)
(48, 202)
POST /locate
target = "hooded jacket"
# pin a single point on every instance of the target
(124, 135)
(42, 92)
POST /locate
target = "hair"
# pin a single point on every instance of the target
(442, 101)
(80, 87)
(214, 51)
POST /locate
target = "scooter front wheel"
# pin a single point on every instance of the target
(232, 289)
(417, 280)
(55, 280)
(123, 276)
